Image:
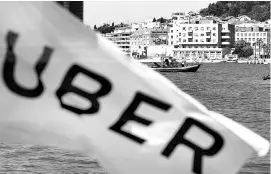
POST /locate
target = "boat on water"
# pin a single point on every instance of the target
(190, 68)
(171, 65)
(266, 77)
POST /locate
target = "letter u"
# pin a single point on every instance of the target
(9, 68)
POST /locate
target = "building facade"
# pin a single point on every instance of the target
(121, 37)
(143, 38)
(75, 7)
(251, 33)
(205, 40)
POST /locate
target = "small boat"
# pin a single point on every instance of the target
(190, 68)
(266, 77)
(166, 66)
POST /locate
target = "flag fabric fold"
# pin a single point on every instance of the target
(64, 85)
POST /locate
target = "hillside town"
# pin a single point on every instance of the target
(191, 36)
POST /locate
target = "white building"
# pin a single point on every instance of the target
(201, 40)
(253, 32)
(146, 24)
(121, 37)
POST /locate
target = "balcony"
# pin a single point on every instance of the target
(226, 37)
(226, 43)
(226, 31)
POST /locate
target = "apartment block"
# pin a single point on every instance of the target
(253, 32)
(121, 37)
(141, 39)
(203, 40)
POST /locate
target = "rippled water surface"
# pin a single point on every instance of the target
(235, 90)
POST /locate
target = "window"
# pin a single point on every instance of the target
(180, 39)
(245, 34)
(180, 34)
(214, 46)
(257, 34)
(196, 34)
(190, 28)
(196, 28)
(190, 34)
(208, 34)
(261, 34)
(171, 37)
(171, 31)
(264, 34)
(237, 34)
(214, 34)
(214, 28)
(202, 28)
(249, 34)
(171, 42)
(208, 46)
(253, 34)
(184, 40)
(184, 34)
(201, 40)
(202, 34)
(208, 28)
(190, 40)
(190, 47)
(214, 40)
(196, 40)
(208, 40)
(249, 39)
(184, 28)
(241, 34)
(253, 39)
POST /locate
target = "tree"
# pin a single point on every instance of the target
(95, 27)
(161, 20)
(226, 51)
(242, 49)
(239, 45)
(247, 51)
(257, 10)
(259, 42)
(154, 20)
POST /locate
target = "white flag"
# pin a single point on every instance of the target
(64, 85)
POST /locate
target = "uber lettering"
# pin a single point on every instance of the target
(128, 115)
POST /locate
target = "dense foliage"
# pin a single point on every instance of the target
(242, 49)
(256, 10)
(107, 28)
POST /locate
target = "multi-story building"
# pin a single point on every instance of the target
(146, 24)
(251, 33)
(75, 7)
(121, 37)
(143, 38)
(203, 40)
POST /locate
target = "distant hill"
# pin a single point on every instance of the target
(256, 10)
